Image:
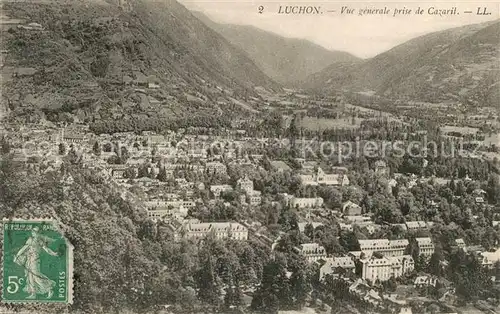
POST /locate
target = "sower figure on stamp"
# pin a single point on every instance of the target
(29, 258)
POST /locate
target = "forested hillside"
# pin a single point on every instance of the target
(141, 63)
(459, 64)
(122, 261)
(286, 60)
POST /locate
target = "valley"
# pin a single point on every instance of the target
(202, 167)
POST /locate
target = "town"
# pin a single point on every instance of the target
(192, 157)
(393, 232)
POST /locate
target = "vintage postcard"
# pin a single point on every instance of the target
(248, 156)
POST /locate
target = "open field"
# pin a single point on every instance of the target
(492, 140)
(325, 123)
(243, 105)
(373, 112)
(459, 129)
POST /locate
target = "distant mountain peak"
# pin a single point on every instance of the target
(286, 60)
(460, 64)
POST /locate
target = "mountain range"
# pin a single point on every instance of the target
(139, 63)
(458, 64)
(288, 61)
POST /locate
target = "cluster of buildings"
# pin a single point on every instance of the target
(196, 230)
(305, 202)
(322, 178)
(251, 196)
(174, 207)
(153, 154)
(132, 160)
(384, 246)
(378, 259)
(383, 268)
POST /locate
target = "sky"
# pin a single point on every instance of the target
(364, 36)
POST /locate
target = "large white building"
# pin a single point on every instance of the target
(351, 209)
(245, 184)
(215, 167)
(384, 268)
(155, 204)
(490, 258)
(321, 178)
(167, 212)
(416, 225)
(402, 265)
(297, 202)
(221, 230)
(332, 263)
(374, 269)
(384, 246)
(425, 246)
(218, 189)
(159, 208)
(312, 251)
(253, 197)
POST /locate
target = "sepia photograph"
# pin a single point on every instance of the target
(249, 157)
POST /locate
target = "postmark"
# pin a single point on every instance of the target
(37, 262)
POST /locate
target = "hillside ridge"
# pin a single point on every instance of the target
(107, 60)
(459, 64)
(286, 60)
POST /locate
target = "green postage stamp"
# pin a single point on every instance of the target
(37, 262)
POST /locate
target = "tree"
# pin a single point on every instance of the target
(274, 292)
(489, 238)
(4, 146)
(493, 189)
(265, 303)
(435, 264)
(433, 308)
(288, 220)
(123, 154)
(73, 156)
(96, 149)
(300, 288)
(497, 269)
(332, 196)
(309, 231)
(412, 248)
(62, 149)
(108, 147)
(154, 151)
(460, 189)
(99, 66)
(293, 130)
(143, 171)
(129, 173)
(207, 279)
(349, 241)
(391, 284)
(470, 278)
(327, 237)
(162, 175)
(234, 296)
